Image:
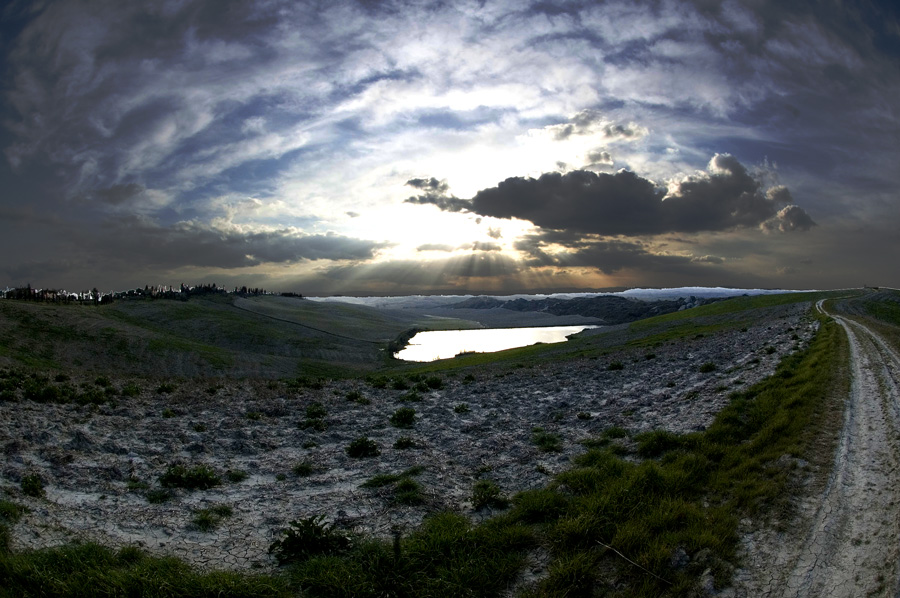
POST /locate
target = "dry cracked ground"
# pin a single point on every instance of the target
(99, 465)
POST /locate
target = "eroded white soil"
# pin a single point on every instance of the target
(86, 457)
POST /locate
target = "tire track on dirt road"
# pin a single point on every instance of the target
(853, 547)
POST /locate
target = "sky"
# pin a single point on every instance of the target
(413, 147)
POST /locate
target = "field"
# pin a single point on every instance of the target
(620, 463)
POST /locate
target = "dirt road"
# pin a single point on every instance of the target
(853, 545)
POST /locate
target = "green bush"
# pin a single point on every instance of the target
(130, 390)
(165, 388)
(208, 519)
(548, 442)
(32, 485)
(315, 410)
(362, 447)
(707, 367)
(404, 442)
(235, 475)
(307, 538)
(157, 496)
(615, 365)
(486, 493)
(199, 477)
(461, 408)
(303, 468)
(403, 417)
(434, 382)
(408, 492)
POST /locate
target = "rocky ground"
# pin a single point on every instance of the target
(99, 465)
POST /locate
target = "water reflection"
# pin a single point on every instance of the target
(442, 344)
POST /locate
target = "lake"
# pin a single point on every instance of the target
(443, 344)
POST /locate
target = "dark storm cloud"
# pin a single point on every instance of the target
(725, 197)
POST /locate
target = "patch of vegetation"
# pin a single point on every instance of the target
(157, 496)
(253, 415)
(308, 538)
(362, 447)
(199, 427)
(584, 415)
(408, 492)
(11, 512)
(32, 485)
(377, 381)
(434, 382)
(404, 442)
(615, 365)
(547, 442)
(130, 390)
(707, 367)
(486, 493)
(206, 520)
(403, 417)
(316, 410)
(166, 388)
(303, 468)
(235, 475)
(411, 397)
(461, 408)
(89, 569)
(168, 413)
(199, 477)
(399, 384)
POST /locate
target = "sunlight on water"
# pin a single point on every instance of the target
(442, 344)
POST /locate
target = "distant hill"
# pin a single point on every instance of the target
(609, 309)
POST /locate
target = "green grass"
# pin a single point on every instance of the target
(90, 570)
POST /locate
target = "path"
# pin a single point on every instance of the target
(853, 546)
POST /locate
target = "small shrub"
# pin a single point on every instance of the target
(615, 365)
(10, 512)
(404, 442)
(136, 484)
(319, 425)
(130, 390)
(403, 417)
(200, 477)
(546, 441)
(199, 428)
(102, 381)
(486, 493)
(378, 382)
(303, 468)
(354, 395)
(235, 475)
(434, 382)
(408, 492)
(165, 388)
(207, 519)
(306, 538)
(399, 384)
(61, 378)
(411, 397)
(770, 350)
(615, 432)
(315, 410)
(707, 367)
(157, 496)
(32, 485)
(280, 477)
(253, 415)
(308, 444)
(362, 447)
(461, 408)
(167, 413)
(584, 415)
(655, 443)
(468, 379)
